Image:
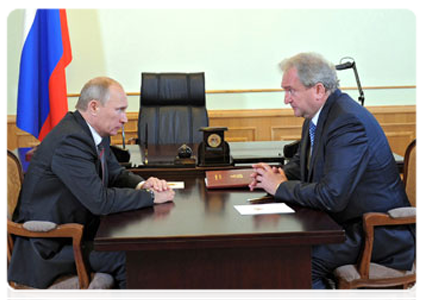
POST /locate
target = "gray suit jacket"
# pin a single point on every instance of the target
(63, 185)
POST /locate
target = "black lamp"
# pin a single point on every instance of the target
(348, 65)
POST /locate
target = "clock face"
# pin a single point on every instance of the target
(214, 140)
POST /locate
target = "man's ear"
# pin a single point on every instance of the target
(320, 91)
(93, 107)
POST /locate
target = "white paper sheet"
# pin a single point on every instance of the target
(260, 209)
(176, 185)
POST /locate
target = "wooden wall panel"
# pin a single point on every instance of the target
(241, 134)
(398, 122)
(17, 138)
(286, 133)
(399, 135)
(131, 129)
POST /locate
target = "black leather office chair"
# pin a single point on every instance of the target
(173, 106)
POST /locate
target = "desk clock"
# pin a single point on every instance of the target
(214, 150)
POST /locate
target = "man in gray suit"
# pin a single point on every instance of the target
(344, 166)
(74, 177)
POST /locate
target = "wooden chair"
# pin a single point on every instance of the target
(41, 229)
(410, 172)
(372, 275)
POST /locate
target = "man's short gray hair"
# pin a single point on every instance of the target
(95, 89)
(312, 68)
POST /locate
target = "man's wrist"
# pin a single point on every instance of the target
(151, 194)
(277, 187)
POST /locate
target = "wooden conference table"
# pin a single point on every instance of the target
(200, 241)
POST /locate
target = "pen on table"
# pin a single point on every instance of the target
(260, 199)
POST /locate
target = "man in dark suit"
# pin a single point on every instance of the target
(343, 166)
(74, 177)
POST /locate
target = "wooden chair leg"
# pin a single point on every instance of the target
(343, 290)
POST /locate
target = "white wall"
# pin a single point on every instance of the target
(237, 49)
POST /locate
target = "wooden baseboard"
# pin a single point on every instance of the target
(398, 122)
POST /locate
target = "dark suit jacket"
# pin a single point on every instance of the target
(63, 185)
(351, 171)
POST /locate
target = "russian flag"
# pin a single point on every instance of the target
(42, 95)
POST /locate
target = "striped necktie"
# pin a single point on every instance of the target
(102, 160)
(312, 131)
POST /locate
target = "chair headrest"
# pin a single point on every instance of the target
(172, 89)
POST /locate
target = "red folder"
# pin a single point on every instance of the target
(224, 179)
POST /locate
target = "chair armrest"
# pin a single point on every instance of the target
(42, 229)
(70, 230)
(402, 212)
(400, 216)
(39, 226)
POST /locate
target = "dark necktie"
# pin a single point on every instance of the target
(102, 160)
(312, 131)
